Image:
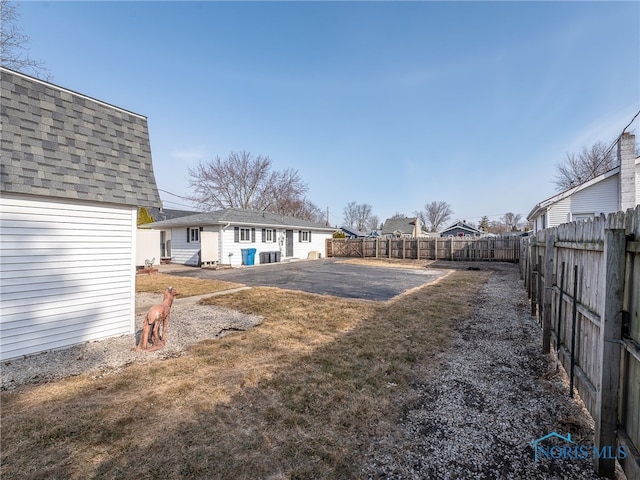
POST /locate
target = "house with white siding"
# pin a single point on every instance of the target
(220, 237)
(74, 171)
(613, 191)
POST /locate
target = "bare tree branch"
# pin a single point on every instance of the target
(357, 215)
(583, 166)
(243, 180)
(13, 44)
(435, 215)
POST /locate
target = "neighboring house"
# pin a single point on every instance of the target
(220, 237)
(156, 244)
(74, 172)
(462, 229)
(613, 191)
(402, 227)
(351, 232)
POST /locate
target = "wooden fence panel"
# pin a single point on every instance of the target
(502, 249)
(593, 277)
(629, 407)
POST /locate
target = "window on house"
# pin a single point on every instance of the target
(268, 235)
(245, 234)
(304, 236)
(577, 217)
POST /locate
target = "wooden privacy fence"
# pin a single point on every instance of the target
(501, 249)
(583, 279)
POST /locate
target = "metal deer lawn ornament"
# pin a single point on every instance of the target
(156, 323)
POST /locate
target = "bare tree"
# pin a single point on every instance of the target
(497, 227)
(304, 209)
(434, 215)
(13, 44)
(582, 167)
(357, 215)
(511, 221)
(373, 223)
(246, 181)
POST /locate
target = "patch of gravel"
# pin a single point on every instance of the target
(494, 393)
(189, 324)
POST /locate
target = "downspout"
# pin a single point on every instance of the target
(221, 242)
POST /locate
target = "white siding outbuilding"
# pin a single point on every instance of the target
(74, 172)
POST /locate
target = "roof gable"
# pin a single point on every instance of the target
(463, 226)
(404, 225)
(542, 206)
(59, 143)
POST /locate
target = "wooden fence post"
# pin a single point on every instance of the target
(548, 290)
(610, 348)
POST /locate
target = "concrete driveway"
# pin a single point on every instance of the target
(327, 277)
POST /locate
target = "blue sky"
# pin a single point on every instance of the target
(394, 104)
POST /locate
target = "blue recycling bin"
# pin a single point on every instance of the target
(251, 256)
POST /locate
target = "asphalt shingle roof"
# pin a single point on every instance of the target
(238, 216)
(403, 225)
(59, 143)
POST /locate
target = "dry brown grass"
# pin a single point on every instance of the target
(300, 396)
(387, 262)
(187, 286)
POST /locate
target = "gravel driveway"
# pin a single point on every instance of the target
(492, 394)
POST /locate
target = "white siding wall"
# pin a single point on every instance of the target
(147, 246)
(318, 243)
(601, 197)
(67, 273)
(183, 252)
(559, 212)
(227, 246)
(300, 249)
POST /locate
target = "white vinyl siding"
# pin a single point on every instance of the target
(147, 246)
(318, 243)
(183, 252)
(601, 197)
(230, 244)
(559, 212)
(301, 250)
(67, 273)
